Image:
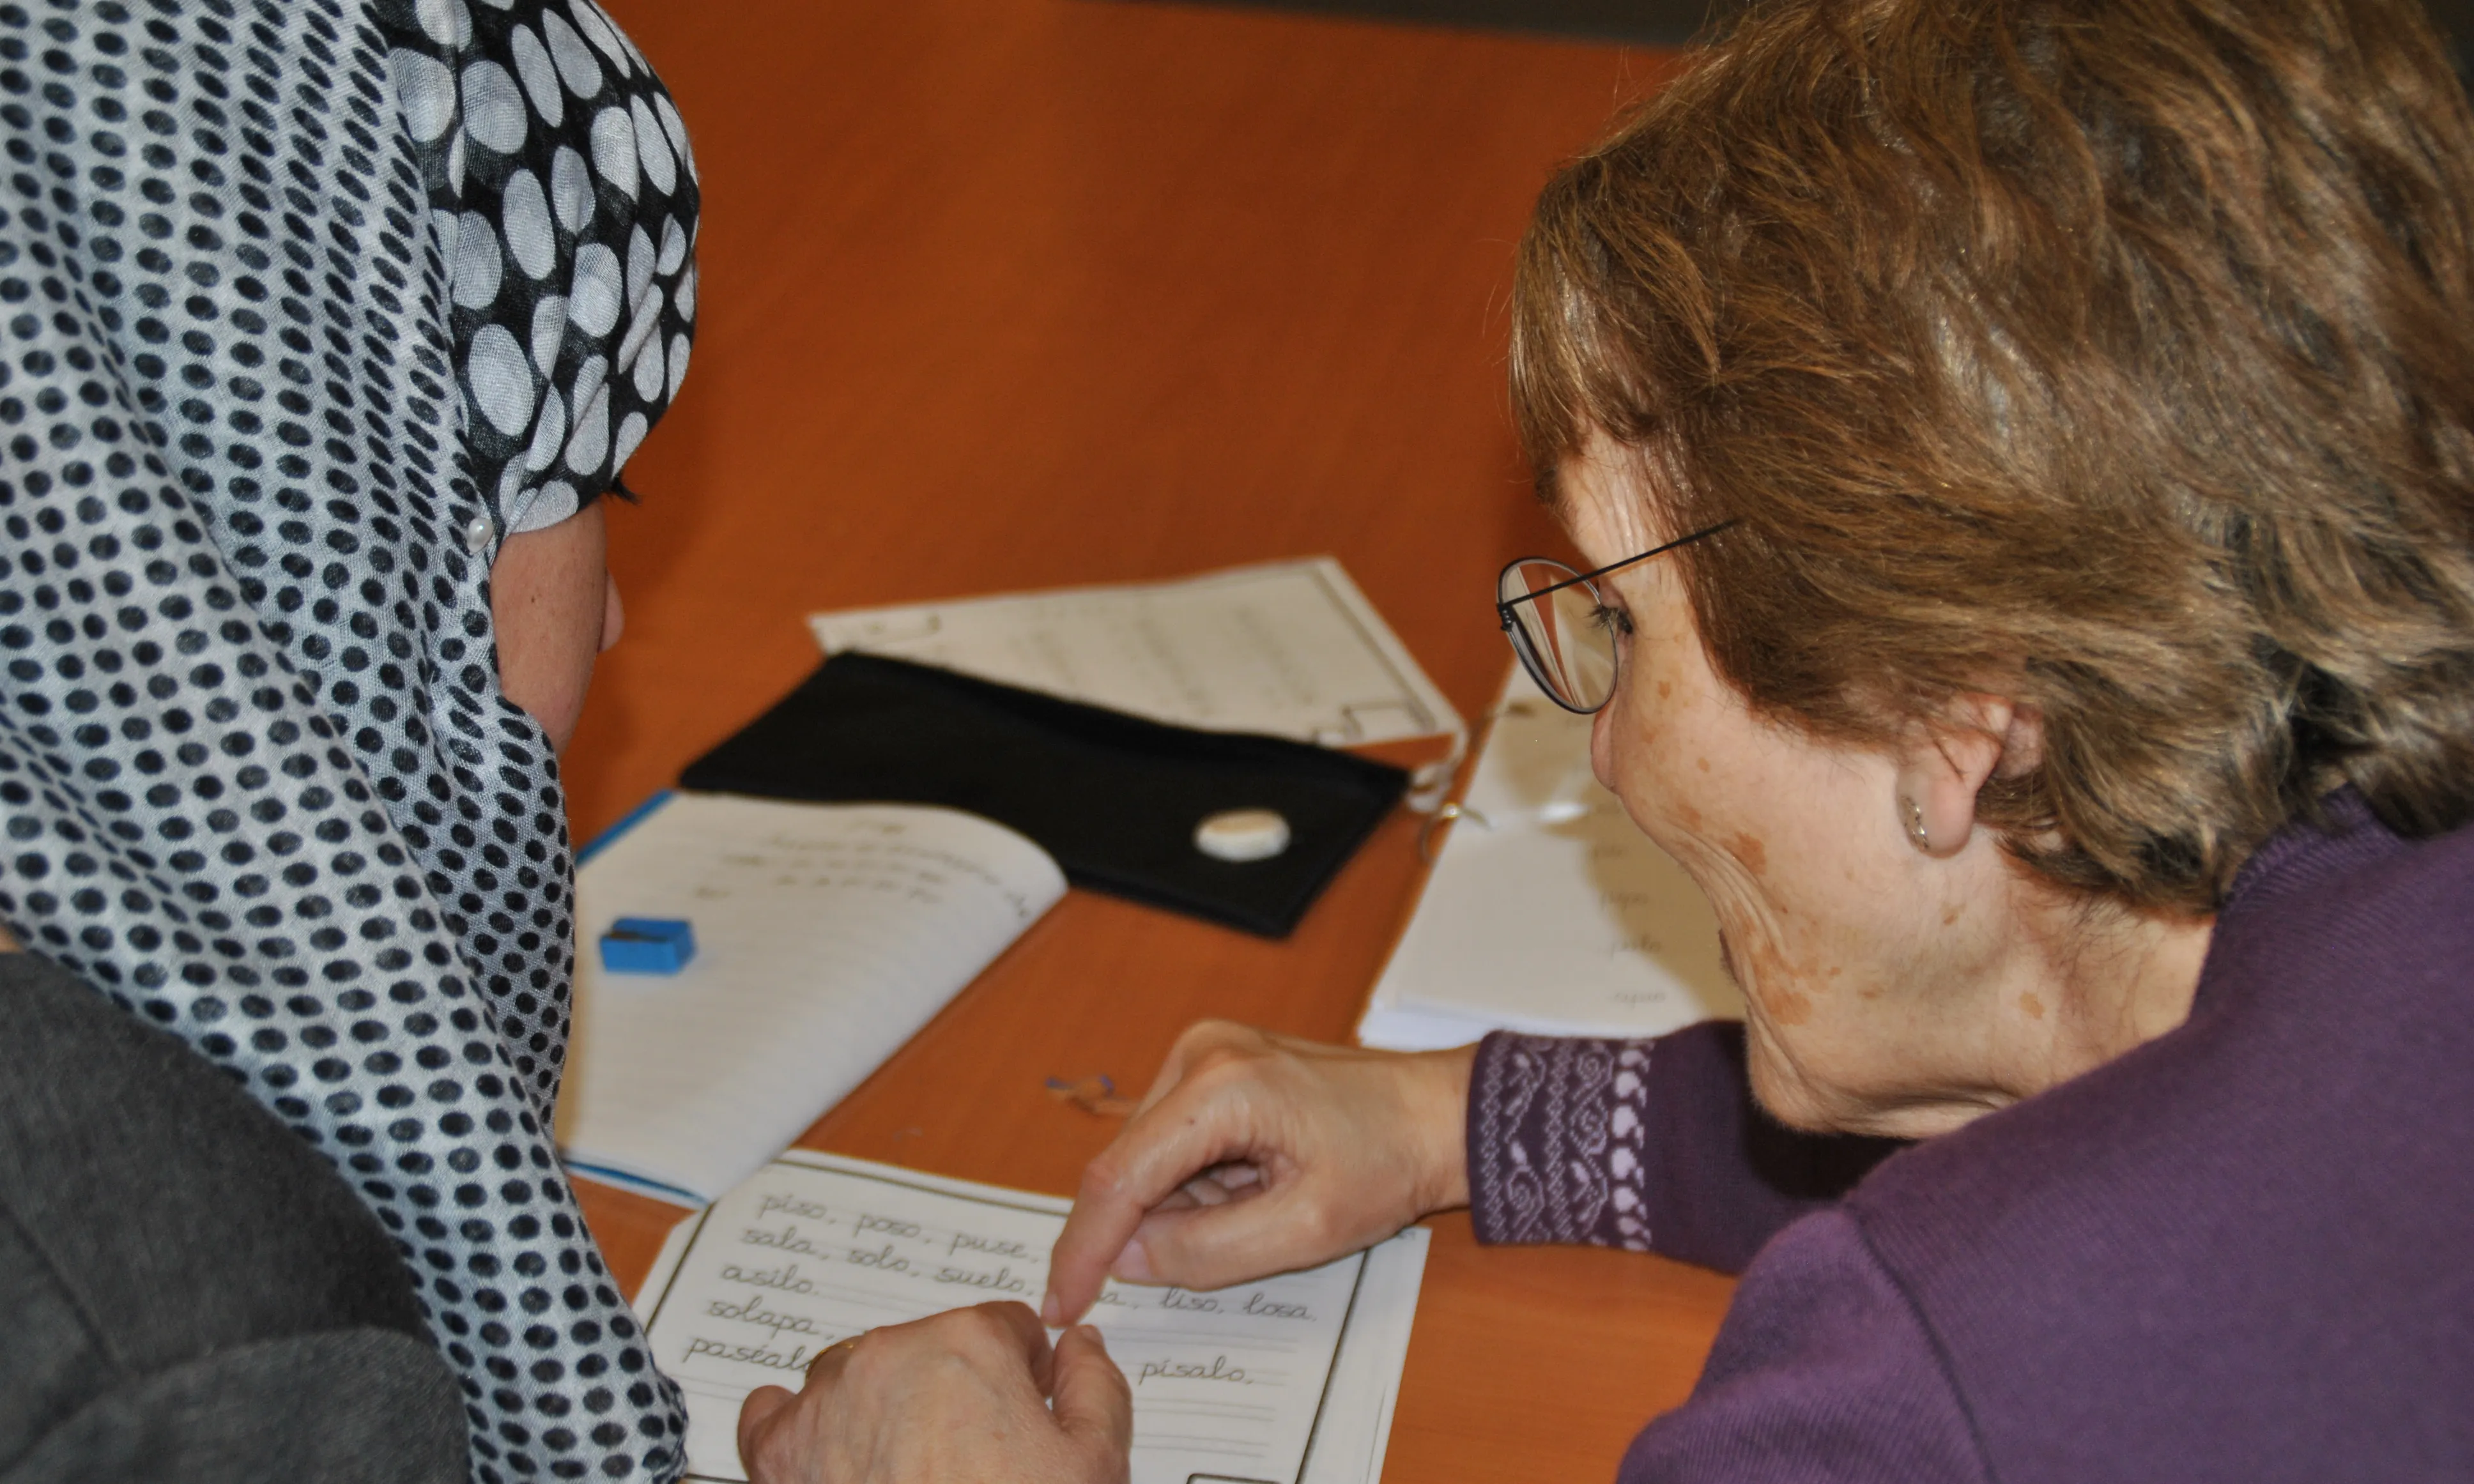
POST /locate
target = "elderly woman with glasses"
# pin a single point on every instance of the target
(2027, 451)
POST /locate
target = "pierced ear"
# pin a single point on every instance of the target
(1977, 738)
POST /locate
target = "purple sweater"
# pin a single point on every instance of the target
(2245, 1251)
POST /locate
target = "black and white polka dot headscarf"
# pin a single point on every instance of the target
(305, 304)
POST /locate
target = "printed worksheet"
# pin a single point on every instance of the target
(1548, 911)
(1286, 648)
(1234, 1385)
(826, 936)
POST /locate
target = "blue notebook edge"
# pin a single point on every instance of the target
(631, 819)
(640, 1184)
(604, 1174)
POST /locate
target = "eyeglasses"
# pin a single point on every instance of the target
(1562, 631)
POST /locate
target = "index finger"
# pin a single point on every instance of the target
(1159, 1150)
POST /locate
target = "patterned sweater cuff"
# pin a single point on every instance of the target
(1554, 1140)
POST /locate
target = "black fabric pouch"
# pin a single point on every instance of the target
(1115, 799)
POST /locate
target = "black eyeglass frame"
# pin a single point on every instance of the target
(1520, 638)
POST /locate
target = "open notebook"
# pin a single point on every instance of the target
(1289, 1380)
(827, 935)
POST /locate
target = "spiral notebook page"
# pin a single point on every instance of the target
(1247, 1383)
(827, 935)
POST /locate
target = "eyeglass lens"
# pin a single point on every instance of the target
(1562, 638)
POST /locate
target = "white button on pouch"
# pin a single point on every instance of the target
(1242, 835)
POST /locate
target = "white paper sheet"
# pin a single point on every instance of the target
(826, 936)
(1289, 1379)
(1287, 648)
(1548, 911)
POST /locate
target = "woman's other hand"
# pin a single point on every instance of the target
(971, 1394)
(1256, 1154)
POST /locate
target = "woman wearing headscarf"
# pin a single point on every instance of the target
(312, 311)
(2022, 454)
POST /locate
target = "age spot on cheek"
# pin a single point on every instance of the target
(1951, 913)
(2035, 1008)
(1771, 976)
(1749, 849)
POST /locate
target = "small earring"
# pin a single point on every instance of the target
(1917, 834)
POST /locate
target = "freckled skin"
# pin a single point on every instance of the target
(1881, 982)
(1763, 828)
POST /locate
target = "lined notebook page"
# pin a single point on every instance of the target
(1286, 1380)
(1548, 911)
(1288, 649)
(826, 936)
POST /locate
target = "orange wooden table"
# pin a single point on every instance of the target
(1005, 294)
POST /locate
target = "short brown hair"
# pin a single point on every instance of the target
(2117, 355)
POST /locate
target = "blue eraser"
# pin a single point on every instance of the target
(647, 945)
